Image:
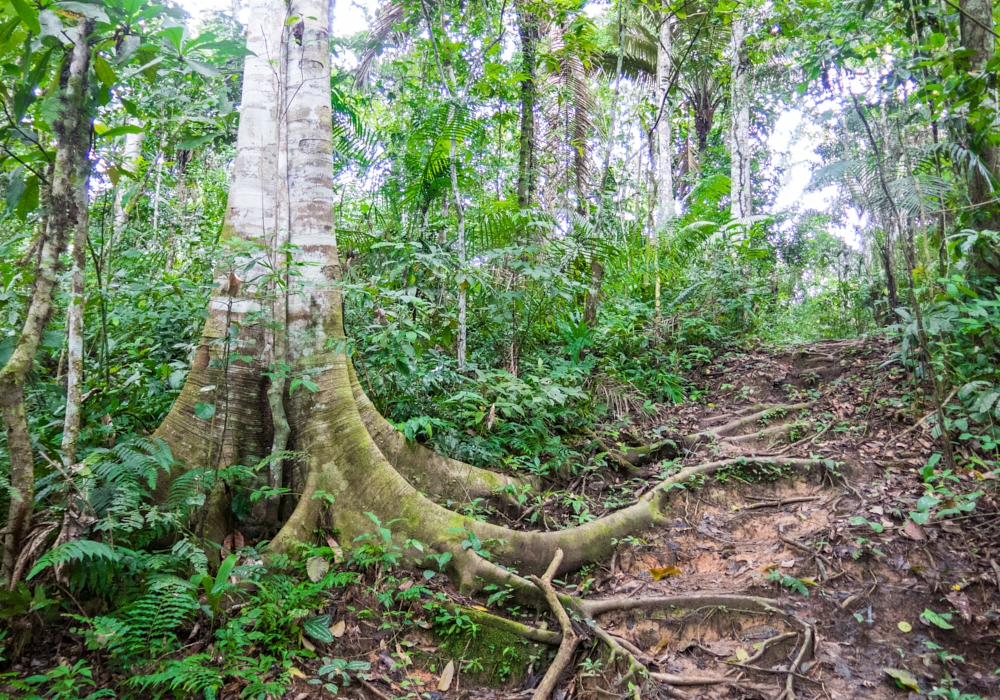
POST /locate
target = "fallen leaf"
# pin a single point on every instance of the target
(238, 540)
(406, 585)
(658, 574)
(904, 626)
(338, 629)
(961, 603)
(480, 608)
(317, 568)
(951, 527)
(903, 678)
(914, 531)
(660, 645)
(306, 644)
(787, 564)
(446, 677)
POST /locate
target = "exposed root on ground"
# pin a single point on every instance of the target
(570, 640)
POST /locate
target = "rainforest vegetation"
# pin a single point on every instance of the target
(570, 348)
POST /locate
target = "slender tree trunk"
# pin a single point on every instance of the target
(156, 190)
(741, 199)
(74, 315)
(462, 283)
(72, 129)
(592, 300)
(130, 157)
(977, 37)
(527, 25)
(665, 210)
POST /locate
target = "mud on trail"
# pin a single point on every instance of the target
(831, 545)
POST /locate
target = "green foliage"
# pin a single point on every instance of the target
(73, 551)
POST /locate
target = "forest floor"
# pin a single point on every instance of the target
(832, 545)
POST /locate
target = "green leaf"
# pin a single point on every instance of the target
(222, 577)
(194, 142)
(28, 15)
(203, 68)
(925, 503)
(123, 129)
(318, 628)
(204, 410)
(105, 73)
(15, 188)
(937, 619)
(75, 549)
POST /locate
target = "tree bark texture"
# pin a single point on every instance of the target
(741, 197)
(527, 25)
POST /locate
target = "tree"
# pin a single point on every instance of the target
(352, 456)
(665, 209)
(527, 25)
(741, 199)
(65, 217)
(978, 38)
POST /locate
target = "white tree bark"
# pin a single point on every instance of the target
(130, 157)
(74, 318)
(665, 209)
(308, 124)
(741, 200)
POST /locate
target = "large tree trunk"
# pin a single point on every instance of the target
(741, 198)
(978, 38)
(351, 454)
(72, 129)
(665, 209)
(527, 25)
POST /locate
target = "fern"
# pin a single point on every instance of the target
(191, 675)
(71, 551)
(147, 628)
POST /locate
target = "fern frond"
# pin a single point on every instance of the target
(71, 551)
(191, 676)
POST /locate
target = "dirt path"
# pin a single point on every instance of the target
(833, 545)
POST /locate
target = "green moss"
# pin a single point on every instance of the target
(494, 656)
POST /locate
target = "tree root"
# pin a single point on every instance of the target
(570, 640)
(613, 455)
(430, 472)
(775, 431)
(731, 428)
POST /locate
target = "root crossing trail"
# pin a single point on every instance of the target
(789, 570)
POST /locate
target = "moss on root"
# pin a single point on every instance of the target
(499, 657)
